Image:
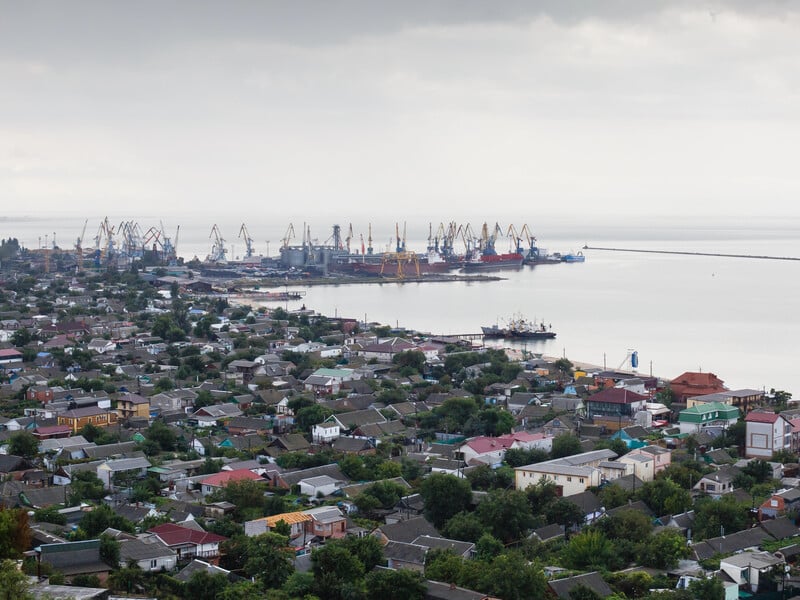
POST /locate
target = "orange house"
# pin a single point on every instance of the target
(94, 415)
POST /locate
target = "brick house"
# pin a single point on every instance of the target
(93, 415)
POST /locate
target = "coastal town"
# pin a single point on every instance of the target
(161, 440)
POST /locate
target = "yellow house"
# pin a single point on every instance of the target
(133, 405)
(93, 415)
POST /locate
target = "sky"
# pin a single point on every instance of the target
(413, 109)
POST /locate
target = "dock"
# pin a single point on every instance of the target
(687, 253)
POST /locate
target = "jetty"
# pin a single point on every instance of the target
(689, 253)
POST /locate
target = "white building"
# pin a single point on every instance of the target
(766, 433)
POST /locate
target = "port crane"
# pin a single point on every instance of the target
(248, 241)
(288, 236)
(349, 237)
(104, 243)
(79, 249)
(218, 249)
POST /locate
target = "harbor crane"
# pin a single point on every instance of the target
(369, 240)
(248, 241)
(288, 236)
(104, 243)
(218, 250)
(79, 249)
(349, 237)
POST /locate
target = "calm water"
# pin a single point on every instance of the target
(735, 317)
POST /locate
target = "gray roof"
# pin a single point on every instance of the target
(734, 542)
(458, 547)
(408, 553)
(143, 549)
(593, 581)
(72, 558)
(294, 477)
(409, 530)
(127, 464)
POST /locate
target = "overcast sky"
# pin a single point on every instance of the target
(403, 108)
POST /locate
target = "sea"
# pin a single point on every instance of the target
(735, 317)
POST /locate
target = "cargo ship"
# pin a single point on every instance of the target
(510, 260)
(403, 264)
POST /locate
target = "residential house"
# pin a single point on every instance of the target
(662, 457)
(779, 503)
(351, 420)
(110, 472)
(562, 588)
(133, 405)
(287, 480)
(750, 568)
(74, 558)
(149, 553)
(319, 486)
(744, 399)
(90, 415)
(216, 414)
(643, 465)
(614, 408)
(188, 542)
(353, 445)
(223, 478)
(691, 384)
(571, 474)
(244, 425)
(326, 522)
(719, 482)
(328, 381)
(296, 521)
(325, 433)
(385, 350)
(713, 416)
(766, 433)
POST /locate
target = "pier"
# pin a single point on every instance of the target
(687, 253)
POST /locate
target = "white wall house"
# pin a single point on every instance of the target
(766, 433)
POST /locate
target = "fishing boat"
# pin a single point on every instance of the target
(573, 257)
(520, 328)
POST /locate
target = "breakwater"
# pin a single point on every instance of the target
(689, 253)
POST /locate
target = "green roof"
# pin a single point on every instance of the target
(708, 411)
(333, 372)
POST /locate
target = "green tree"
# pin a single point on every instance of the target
(708, 588)
(160, 433)
(519, 457)
(510, 576)
(204, 586)
(102, 517)
(665, 497)
(565, 444)
(14, 584)
(50, 515)
(664, 549)
(15, 534)
(507, 514)
(86, 485)
(445, 496)
(269, 559)
(590, 549)
(109, 551)
(336, 572)
(466, 526)
(23, 443)
(488, 547)
(309, 416)
(127, 579)
(247, 495)
(402, 584)
(718, 517)
(562, 511)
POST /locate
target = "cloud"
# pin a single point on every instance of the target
(410, 107)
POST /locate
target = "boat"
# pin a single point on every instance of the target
(520, 328)
(403, 264)
(573, 257)
(494, 261)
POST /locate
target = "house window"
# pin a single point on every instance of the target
(153, 563)
(569, 478)
(581, 480)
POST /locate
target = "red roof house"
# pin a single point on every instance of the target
(223, 478)
(188, 542)
(696, 384)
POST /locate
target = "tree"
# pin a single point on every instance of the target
(109, 551)
(15, 534)
(466, 526)
(336, 572)
(511, 577)
(507, 514)
(565, 513)
(247, 495)
(270, 559)
(718, 517)
(665, 497)
(519, 457)
(162, 435)
(488, 547)
(664, 549)
(445, 496)
(14, 584)
(102, 517)
(402, 584)
(24, 444)
(590, 549)
(309, 416)
(708, 588)
(86, 485)
(204, 586)
(565, 444)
